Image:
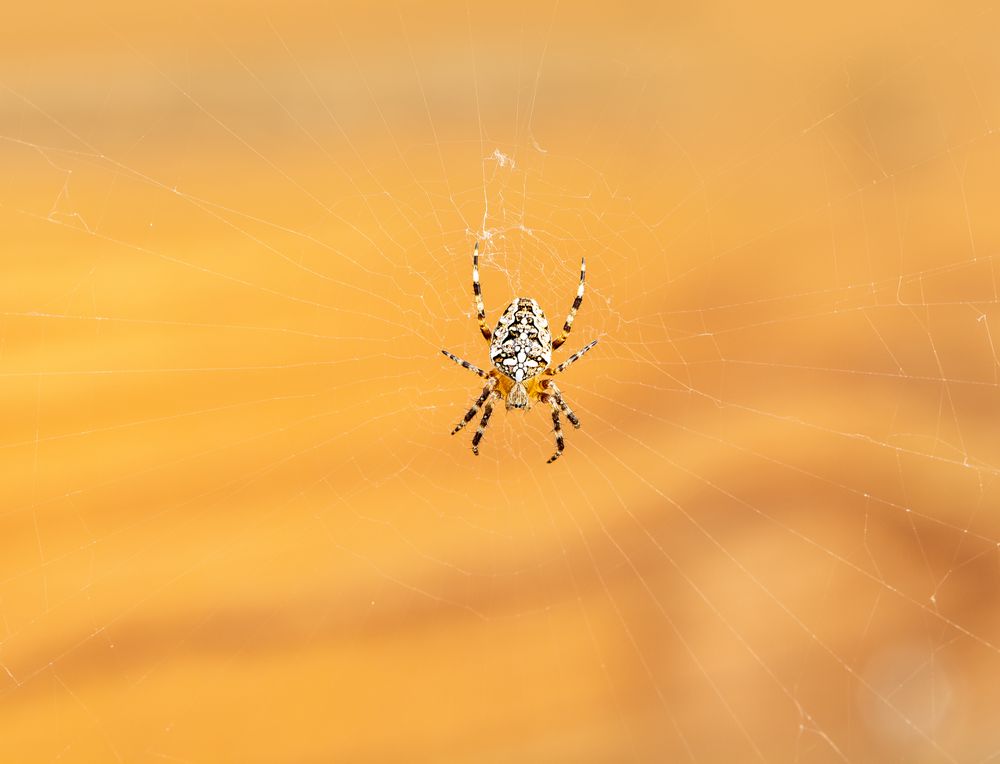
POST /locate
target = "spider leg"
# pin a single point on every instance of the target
(556, 395)
(572, 359)
(475, 406)
(477, 290)
(560, 445)
(568, 326)
(467, 365)
(487, 412)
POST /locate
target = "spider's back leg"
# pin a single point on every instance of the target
(571, 360)
(568, 326)
(466, 365)
(478, 292)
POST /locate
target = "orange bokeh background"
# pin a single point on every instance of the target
(233, 526)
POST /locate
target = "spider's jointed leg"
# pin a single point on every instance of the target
(476, 406)
(555, 395)
(560, 445)
(478, 292)
(487, 412)
(466, 365)
(568, 326)
(572, 359)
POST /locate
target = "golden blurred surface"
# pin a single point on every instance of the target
(233, 524)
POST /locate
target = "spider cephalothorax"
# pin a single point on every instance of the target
(521, 353)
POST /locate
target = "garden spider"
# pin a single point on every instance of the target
(521, 350)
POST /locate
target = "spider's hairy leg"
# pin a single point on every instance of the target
(560, 445)
(478, 292)
(466, 365)
(475, 406)
(571, 360)
(555, 394)
(568, 326)
(487, 412)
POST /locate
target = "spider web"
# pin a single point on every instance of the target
(235, 526)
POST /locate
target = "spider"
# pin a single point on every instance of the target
(521, 353)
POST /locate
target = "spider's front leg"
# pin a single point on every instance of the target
(560, 444)
(490, 384)
(487, 412)
(554, 394)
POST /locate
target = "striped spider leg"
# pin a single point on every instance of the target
(478, 292)
(554, 398)
(568, 326)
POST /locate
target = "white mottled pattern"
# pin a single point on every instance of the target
(522, 342)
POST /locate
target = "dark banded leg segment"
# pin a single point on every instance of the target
(478, 292)
(475, 406)
(560, 445)
(568, 326)
(466, 365)
(556, 395)
(572, 359)
(487, 412)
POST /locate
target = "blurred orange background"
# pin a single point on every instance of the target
(233, 524)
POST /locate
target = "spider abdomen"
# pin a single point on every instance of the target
(522, 343)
